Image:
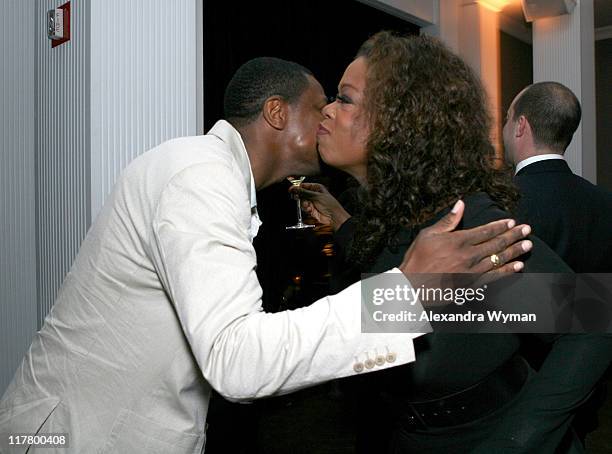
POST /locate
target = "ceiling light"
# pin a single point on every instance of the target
(494, 5)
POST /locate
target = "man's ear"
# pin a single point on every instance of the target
(275, 112)
(522, 125)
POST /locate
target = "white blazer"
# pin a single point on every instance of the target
(163, 302)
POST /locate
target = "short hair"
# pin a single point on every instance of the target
(259, 79)
(553, 112)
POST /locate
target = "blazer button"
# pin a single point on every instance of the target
(380, 360)
(391, 357)
(369, 363)
(358, 367)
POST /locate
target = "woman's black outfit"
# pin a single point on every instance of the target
(474, 392)
(464, 393)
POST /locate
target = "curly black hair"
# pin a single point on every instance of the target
(429, 143)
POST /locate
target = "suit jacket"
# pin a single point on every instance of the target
(163, 302)
(571, 215)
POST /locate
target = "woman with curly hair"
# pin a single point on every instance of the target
(410, 124)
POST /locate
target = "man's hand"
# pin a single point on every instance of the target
(438, 249)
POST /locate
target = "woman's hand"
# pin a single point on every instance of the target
(321, 205)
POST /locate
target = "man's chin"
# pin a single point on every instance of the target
(313, 171)
(309, 169)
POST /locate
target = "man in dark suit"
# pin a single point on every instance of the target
(573, 216)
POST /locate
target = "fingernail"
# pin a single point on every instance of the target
(526, 245)
(456, 207)
(511, 223)
(526, 230)
(518, 266)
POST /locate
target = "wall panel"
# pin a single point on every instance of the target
(17, 187)
(63, 143)
(143, 82)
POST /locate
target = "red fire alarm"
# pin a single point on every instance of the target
(58, 25)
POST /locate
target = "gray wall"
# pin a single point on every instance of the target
(143, 83)
(63, 144)
(117, 89)
(603, 81)
(17, 189)
(72, 117)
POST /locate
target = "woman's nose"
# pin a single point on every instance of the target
(328, 109)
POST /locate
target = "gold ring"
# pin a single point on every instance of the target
(495, 260)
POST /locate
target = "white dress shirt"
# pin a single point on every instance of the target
(163, 302)
(537, 158)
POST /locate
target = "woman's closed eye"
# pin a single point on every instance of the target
(343, 99)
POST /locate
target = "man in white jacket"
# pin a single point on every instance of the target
(163, 303)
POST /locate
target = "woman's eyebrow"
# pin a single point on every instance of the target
(347, 85)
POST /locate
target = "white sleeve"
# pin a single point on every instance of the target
(206, 262)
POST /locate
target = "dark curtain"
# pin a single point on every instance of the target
(322, 35)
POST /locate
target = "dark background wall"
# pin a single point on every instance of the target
(603, 87)
(324, 36)
(319, 34)
(516, 68)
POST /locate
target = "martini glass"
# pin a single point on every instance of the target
(297, 181)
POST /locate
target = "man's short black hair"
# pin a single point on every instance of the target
(257, 80)
(553, 112)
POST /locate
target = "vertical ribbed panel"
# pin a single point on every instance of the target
(563, 51)
(17, 195)
(62, 158)
(143, 82)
